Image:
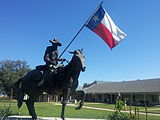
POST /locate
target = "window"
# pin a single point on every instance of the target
(134, 98)
(154, 98)
(99, 97)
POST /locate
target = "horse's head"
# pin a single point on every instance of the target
(78, 59)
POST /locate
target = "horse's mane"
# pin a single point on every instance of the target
(66, 68)
(62, 78)
(63, 73)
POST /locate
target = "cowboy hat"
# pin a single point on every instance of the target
(55, 41)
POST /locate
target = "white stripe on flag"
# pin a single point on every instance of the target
(117, 34)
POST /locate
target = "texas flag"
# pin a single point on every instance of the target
(102, 24)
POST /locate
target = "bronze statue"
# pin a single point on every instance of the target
(64, 82)
(51, 58)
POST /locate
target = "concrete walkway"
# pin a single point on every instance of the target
(142, 113)
(45, 118)
(112, 110)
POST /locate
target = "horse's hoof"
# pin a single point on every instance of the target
(34, 117)
(62, 117)
(77, 108)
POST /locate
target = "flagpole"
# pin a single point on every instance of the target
(72, 40)
(80, 30)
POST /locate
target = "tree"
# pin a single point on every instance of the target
(10, 71)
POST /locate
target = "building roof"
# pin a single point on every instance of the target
(79, 88)
(94, 82)
(137, 86)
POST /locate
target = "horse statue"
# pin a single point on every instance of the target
(63, 82)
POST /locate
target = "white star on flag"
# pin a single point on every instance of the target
(95, 18)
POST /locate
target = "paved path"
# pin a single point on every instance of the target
(45, 118)
(142, 113)
(112, 110)
(154, 109)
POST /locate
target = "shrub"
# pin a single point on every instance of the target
(118, 116)
(6, 111)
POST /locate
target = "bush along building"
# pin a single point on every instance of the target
(137, 92)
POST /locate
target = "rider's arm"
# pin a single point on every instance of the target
(46, 57)
(61, 59)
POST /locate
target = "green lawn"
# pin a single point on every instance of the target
(46, 109)
(100, 105)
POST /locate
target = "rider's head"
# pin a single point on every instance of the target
(55, 42)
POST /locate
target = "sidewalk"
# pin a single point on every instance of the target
(112, 110)
(142, 113)
(45, 118)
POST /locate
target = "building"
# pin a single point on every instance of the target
(138, 92)
(3, 96)
(53, 98)
(48, 98)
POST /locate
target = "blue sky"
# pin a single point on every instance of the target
(26, 26)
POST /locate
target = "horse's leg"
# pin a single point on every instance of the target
(80, 96)
(30, 106)
(65, 95)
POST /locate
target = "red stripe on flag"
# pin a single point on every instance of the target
(105, 34)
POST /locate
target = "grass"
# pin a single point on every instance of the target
(46, 109)
(100, 105)
(50, 110)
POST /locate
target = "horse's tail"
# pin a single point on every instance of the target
(20, 93)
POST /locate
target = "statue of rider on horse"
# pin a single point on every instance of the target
(51, 59)
(52, 78)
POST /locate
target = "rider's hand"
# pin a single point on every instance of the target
(63, 59)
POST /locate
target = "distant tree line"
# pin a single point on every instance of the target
(10, 71)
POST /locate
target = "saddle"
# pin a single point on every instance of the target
(49, 68)
(41, 67)
(48, 72)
